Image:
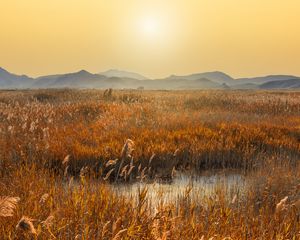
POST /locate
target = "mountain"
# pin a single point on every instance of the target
(10, 80)
(84, 79)
(123, 74)
(216, 76)
(245, 86)
(261, 80)
(81, 79)
(127, 80)
(119, 83)
(283, 84)
(202, 83)
(177, 84)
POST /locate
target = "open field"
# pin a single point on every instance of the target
(60, 151)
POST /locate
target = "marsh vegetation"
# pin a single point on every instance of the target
(136, 164)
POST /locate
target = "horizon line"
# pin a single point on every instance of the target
(35, 76)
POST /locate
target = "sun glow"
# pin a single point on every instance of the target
(150, 27)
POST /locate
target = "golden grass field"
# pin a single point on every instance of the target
(55, 144)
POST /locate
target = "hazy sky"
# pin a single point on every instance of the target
(155, 38)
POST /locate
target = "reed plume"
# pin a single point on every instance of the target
(281, 206)
(128, 148)
(8, 205)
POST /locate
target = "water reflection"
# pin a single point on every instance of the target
(197, 187)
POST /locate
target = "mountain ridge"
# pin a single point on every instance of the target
(8, 79)
(131, 80)
(123, 74)
(214, 76)
(283, 84)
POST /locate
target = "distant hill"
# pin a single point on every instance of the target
(84, 79)
(128, 80)
(261, 80)
(216, 76)
(10, 80)
(122, 74)
(283, 84)
(176, 84)
(245, 86)
(202, 83)
(81, 79)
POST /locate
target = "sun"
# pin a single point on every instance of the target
(154, 33)
(151, 27)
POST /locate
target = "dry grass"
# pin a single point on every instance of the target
(48, 137)
(206, 129)
(87, 212)
(8, 205)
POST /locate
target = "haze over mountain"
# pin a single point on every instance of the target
(123, 74)
(216, 76)
(81, 79)
(260, 80)
(10, 80)
(282, 84)
(129, 80)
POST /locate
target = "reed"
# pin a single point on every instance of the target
(60, 149)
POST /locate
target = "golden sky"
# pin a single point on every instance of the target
(155, 38)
